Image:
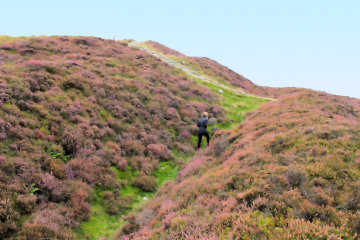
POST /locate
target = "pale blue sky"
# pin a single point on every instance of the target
(304, 43)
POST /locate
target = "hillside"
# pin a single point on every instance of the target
(97, 139)
(290, 171)
(90, 128)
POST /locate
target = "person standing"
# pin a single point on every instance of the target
(202, 124)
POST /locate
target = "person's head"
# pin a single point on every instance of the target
(205, 114)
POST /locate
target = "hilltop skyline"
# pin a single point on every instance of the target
(279, 44)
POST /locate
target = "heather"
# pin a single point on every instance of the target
(85, 126)
(97, 137)
(290, 171)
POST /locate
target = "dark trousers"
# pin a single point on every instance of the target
(200, 138)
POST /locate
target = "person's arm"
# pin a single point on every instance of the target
(206, 123)
(198, 124)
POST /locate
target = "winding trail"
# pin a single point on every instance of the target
(191, 72)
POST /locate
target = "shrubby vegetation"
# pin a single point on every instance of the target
(290, 171)
(73, 109)
(90, 126)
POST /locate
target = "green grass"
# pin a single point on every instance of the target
(235, 105)
(167, 171)
(101, 224)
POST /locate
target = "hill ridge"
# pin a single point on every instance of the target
(191, 72)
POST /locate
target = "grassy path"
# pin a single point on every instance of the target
(236, 104)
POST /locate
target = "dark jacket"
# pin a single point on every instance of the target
(202, 124)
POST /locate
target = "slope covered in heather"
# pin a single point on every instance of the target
(290, 171)
(89, 128)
